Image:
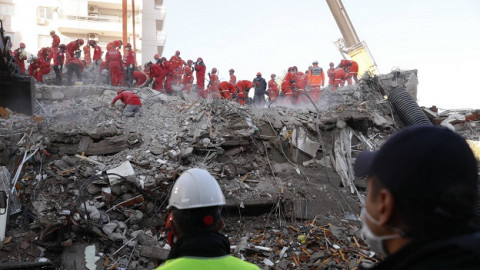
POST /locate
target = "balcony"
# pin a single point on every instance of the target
(114, 4)
(106, 25)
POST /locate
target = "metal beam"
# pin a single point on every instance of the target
(343, 22)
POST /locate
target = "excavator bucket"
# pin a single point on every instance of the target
(17, 91)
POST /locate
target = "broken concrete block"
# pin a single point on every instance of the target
(154, 252)
(301, 141)
(185, 153)
(125, 169)
(109, 228)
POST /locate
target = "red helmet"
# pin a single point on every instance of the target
(117, 43)
(92, 42)
(199, 59)
(128, 45)
(231, 70)
(259, 74)
(163, 59)
(120, 91)
(156, 56)
(189, 61)
(80, 41)
(22, 45)
(331, 64)
(214, 70)
(177, 53)
(273, 76)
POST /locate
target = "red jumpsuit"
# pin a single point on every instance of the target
(114, 63)
(213, 86)
(289, 86)
(58, 60)
(315, 79)
(331, 76)
(20, 60)
(272, 89)
(39, 68)
(140, 77)
(227, 89)
(243, 86)
(168, 71)
(97, 53)
(54, 49)
(352, 69)
(71, 48)
(44, 53)
(86, 55)
(233, 79)
(128, 98)
(200, 74)
(187, 79)
(340, 76)
(158, 75)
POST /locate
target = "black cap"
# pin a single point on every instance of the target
(426, 167)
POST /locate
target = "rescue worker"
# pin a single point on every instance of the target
(260, 89)
(289, 85)
(331, 74)
(243, 87)
(272, 88)
(315, 80)
(233, 78)
(339, 78)
(74, 65)
(194, 223)
(43, 53)
(39, 65)
(422, 190)
(114, 63)
(176, 60)
(213, 84)
(168, 75)
(187, 78)
(351, 68)
(72, 47)
(156, 74)
(130, 63)
(86, 55)
(96, 60)
(58, 60)
(132, 105)
(227, 90)
(139, 77)
(200, 70)
(157, 59)
(20, 56)
(55, 44)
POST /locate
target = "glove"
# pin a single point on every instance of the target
(59, 66)
(130, 66)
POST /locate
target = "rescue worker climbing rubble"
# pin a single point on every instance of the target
(272, 88)
(260, 89)
(194, 223)
(351, 68)
(233, 78)
(114, 63)
(243, 86)
(58, 60)
(315, 80)
(227, 90)
(132, 104)
(130, 63)
(200, 70)
(20, 56)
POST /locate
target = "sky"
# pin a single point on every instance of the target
(439, 38)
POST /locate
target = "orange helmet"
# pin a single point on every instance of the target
(80, 41)
(259, 74)
(22, 45)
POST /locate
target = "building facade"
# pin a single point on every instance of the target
(30, 22)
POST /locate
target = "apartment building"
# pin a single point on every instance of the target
(30, 22)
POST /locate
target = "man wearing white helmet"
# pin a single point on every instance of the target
(194, 224)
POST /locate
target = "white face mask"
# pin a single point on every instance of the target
(375, 242)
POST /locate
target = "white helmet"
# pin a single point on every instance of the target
(196, 188)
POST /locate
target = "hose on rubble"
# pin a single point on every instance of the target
(406, 107)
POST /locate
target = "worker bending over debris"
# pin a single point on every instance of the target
(132, 105)
(194, 223)
(421, 199)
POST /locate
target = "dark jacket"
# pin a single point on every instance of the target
(458, 252)
(260, 86)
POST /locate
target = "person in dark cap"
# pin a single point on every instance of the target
(421, 197)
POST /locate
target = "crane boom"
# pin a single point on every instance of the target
(351, 44)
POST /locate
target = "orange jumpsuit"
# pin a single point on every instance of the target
(272, 89)
(352, 68)
(86, 55)
(187, 79)
(315, 79)
(176, 64)
(340, 76)
(227, 89)
(243, 87)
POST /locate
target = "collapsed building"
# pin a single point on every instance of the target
(88, 188)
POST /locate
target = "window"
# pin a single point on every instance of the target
(44, 13)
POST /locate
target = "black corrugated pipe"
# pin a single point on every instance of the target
(406, 107)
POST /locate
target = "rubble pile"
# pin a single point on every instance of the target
(99, 181)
